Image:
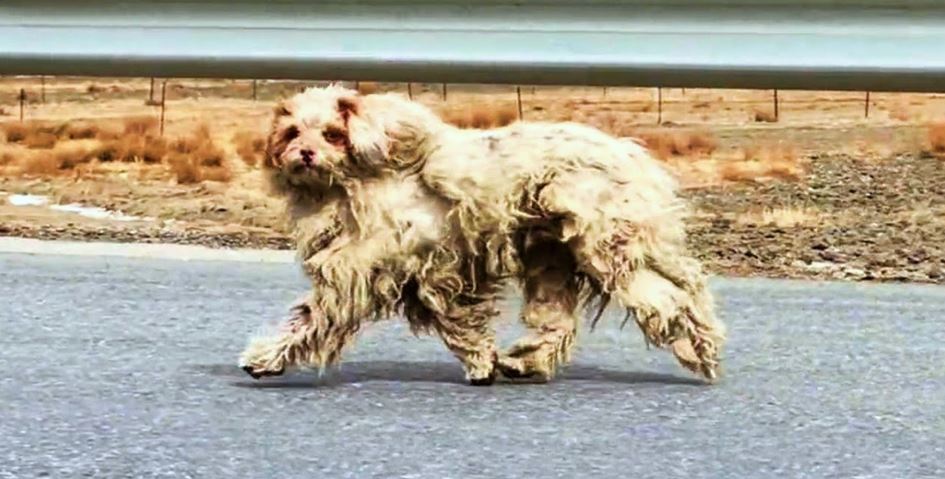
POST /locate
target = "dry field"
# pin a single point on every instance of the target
(818, 190)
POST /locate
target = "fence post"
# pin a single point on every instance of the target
(776, 113)
(867, 113)
(410, 90)
(22, 101)
(151, 92)
(444, 92)
(518, 93)
(163, 101)
(659, 105)
(42, 91)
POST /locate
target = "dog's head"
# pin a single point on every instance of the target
(323, 136)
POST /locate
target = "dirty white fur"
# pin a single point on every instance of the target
(396, 211)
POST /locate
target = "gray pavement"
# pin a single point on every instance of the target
(120, 367)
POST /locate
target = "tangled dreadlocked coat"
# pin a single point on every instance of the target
(397, 212)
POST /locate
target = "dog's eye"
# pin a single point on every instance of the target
(290, 134)
(334, 137)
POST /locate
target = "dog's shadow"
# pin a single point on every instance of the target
(438, 372)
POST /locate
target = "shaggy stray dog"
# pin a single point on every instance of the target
(397, 212)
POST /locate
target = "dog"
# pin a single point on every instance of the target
(396, 212)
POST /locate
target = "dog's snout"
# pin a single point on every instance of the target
(308, 157)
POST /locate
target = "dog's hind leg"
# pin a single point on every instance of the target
(308, 338)
(551, 297)
(665, 292)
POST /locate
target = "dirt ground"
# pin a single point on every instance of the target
(819, 191)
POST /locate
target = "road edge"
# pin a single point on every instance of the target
(179, 252)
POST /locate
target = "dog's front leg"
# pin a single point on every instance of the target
(468, 333)
(310, 337)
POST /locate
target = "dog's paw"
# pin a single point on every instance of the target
(258, 373)
(517, 368)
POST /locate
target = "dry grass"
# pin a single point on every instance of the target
(900, 113)
(249, 147)
(666, 145)
(782, 217)
(481, 116)
(54, 162)
(936, 135)
(763, 162)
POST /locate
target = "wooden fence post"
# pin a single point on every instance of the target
(163, 102)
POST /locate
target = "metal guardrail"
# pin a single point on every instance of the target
(879, 45)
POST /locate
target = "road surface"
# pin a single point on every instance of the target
(120, 367)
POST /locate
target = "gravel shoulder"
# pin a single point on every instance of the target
(847, 219)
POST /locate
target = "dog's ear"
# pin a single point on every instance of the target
(366, 133)
(281, 132)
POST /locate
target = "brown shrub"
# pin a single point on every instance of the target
(762, 116)
(197, 158)
(94, 89)
(147, 149)
(82, 131)
(70, 157)
(188, 170)
(7, 159)
(3, 111)
(249, 147)
(39, 139)
(368, 87)
(505, 116)
(482, 116)
(937, 139)
(54, 162)
(16, 132)
(141, 125)
(185, 170)
(40, 164)
(152, 102)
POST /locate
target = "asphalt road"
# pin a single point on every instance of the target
(127, 368)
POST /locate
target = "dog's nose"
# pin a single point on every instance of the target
(308, 157)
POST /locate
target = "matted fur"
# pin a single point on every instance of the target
(397, 212)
